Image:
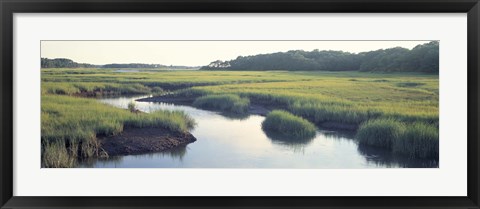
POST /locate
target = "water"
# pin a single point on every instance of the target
(229, 142)
(126, 71)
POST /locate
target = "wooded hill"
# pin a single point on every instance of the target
(422, 58)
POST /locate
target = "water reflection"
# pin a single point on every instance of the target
(385, 158)
(236, 116)
(176, 153)
(340, 135)
(297, 144)
(95, 162)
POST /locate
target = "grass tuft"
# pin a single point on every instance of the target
(380, 132)
(287, 124)
(415, 140)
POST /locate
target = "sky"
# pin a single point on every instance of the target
(194, 53)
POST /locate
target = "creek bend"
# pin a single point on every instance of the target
(239, 142)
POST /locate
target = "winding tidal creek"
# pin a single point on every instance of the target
(239, 142)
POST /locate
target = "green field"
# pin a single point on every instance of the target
(343, 100)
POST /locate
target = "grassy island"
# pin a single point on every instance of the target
(288, 124)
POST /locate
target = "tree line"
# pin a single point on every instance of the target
(422, 58)
(68, 63)
(64, 63)
(133, 65)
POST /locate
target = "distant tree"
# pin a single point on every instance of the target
(218, 64)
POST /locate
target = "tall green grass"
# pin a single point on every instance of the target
(223, 102)
(287, 124)
(380, 133)
(176, 121)
(415, 140)
(57, 155)
(96, 88)
(76, 122)
(418, 141)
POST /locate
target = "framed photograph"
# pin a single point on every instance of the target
(239, 104)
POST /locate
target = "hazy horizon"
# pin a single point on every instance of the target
(195, 53)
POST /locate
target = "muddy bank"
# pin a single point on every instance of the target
(256, 109)
(168, 99)
(144, 140)
(338, 126)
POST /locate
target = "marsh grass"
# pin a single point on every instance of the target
(224, 102)
(380, 133)
(418, 141)
(157, 91)
(332, 97)
(287, 124)
(396, 100)
(96, 88)
(76, 122)
(415, 140)
(176, 121)
(56, 155)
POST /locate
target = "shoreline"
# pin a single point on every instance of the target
(167, 99)
(255, 108)
(143, 140)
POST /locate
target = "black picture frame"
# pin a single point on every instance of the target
(9, 7)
